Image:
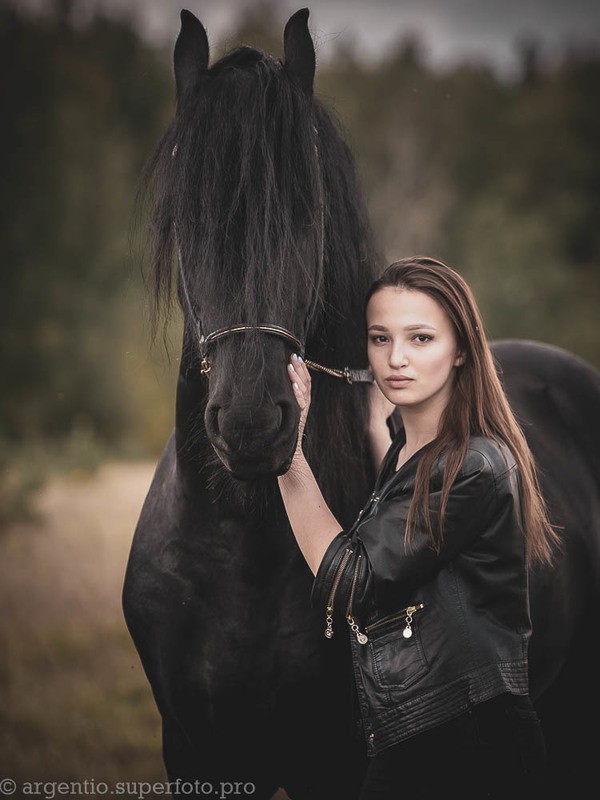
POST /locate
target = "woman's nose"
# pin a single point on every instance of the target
(398, 356)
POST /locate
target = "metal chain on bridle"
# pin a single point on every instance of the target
(205, 340)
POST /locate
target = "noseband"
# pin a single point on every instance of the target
(350, 375)
(204, 341)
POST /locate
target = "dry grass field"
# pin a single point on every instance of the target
(75, 702)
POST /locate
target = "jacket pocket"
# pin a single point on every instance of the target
(396, 648)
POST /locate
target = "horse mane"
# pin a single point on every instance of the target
(253, 180)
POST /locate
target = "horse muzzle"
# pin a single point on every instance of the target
(253, 442)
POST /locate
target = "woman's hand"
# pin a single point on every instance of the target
(312, 522)
(301, 383)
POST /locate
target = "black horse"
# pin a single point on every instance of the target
(256, 198)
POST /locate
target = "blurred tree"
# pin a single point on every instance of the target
(528, 221)
(82, 109)
(258, 25)
(499, 178)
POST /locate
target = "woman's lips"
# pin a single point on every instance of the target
(398, 382)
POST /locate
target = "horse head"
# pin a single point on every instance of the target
(257, 195)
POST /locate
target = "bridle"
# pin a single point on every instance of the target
(351, 375)
(205, 341)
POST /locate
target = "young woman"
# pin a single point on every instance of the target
(431, 581)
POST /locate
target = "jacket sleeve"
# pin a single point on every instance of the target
(392, 571)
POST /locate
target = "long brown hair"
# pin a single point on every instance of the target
(478, 406)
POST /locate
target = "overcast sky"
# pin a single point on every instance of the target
(450, 30)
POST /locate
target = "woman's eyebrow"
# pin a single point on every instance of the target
(415, 327)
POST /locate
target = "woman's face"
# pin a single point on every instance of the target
(412, 349)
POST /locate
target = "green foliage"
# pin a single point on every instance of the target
(500, 179)
(84, 109)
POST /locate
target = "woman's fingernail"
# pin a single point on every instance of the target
(300, 359)
(296, 387)
(291, 368)
(295, 357)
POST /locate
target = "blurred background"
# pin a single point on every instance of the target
(476, 130)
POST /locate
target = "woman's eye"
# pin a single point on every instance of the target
(422, 338)
(379, 339)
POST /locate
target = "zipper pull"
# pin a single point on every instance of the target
(407, 632)
(361, 637)
(329, 623)
(329, 611)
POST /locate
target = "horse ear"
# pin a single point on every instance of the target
(299, 50)
(190, 56)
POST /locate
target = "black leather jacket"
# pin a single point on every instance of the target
(431, 635)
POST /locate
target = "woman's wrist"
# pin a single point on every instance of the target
(298, 471)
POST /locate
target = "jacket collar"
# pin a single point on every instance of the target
(388, 471)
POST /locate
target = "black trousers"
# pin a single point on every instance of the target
(495, 751)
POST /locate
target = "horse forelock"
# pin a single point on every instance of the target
(259, 170)
(243, 192)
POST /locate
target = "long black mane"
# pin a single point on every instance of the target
(255, 186)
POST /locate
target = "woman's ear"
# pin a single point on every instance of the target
(460, 360)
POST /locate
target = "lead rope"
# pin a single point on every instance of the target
(336, 373)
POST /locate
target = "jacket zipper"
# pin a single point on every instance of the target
(334, 587)
(372, 499)
(361, 637)
(407, 613)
